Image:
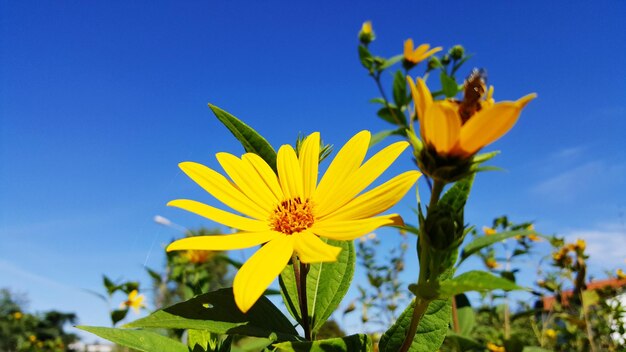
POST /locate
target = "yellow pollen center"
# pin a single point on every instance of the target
(292, 215)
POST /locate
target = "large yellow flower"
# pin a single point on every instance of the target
(415, 56)
(443, 129)
(289, 212)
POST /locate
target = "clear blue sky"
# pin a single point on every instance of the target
(99, 101)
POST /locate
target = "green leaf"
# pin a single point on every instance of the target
(379, 136)
(465, 315)
(326, 284)
(110, 286)
(352, 343)
(430, 332)
(484, 241)
(250, 139)
(448, 85)
(392, 115)
(457, 195)
(391, 61)
(464, 343)
(400, 94)
(475, 281)
(590, 298)
(118, 314)
(140, 340)
(379, 101)
(217, 312)
(154, 275)
(366, 58)
(200, 340)
(535, 349)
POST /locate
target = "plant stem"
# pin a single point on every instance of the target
(300, 271)
(418, 312)
(382, 93)
(420, 303)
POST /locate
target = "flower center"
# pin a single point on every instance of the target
(292, 215)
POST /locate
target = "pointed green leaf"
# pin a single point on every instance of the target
(366, 58)
(464, 343)
(475, 281)
(465, 315)
(118, 314)
(217, 312)
(484, 241)
(430, 332)
(352, 343)
(400, 94)
(392, 115)
(448, 85)
(250, 139)
(328, 283)
(457, 195)
(140, 340)
(379, 136)
(391, 61)
(289, 292)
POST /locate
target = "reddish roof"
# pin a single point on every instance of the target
(548, 302)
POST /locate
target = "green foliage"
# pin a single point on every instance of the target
(352, 343)
(217, 312)
(475, 281)
(140, 340)
(430, 332)
(250, 139)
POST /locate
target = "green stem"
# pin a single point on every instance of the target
(420, 303)
(300, 271)
(382, 93)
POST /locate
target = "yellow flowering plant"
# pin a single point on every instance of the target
(302, 222)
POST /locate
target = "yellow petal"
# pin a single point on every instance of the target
(488, 125)
(289, 172)
(408, 49)
(224, 242)
(344, 165)
(220, 216)
(260, 270)
(309, 163)
(443, 126)
(248, 181)
(421, 50)
(422, 99)
(266, 173)
(376, 200)
(430, 52)
(347, 230)
(365, 175)
(312, 249)
(219, 187)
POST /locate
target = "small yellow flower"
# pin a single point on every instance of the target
(620, 274)
(550, 333)
(489, 231)
(491, 263)
(134, 301)
(492, 347)
(444, 131)
(530, 227)
(581, 244)
(198, 256)
(39, 344)
(289, 212)
(32, 338)
(18, 315)
(533, 237)
(415, 56)
(366, 35)
(366, 28)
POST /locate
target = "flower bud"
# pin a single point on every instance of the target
(444, 226)
(445, 59)
(457, 52)
(366, 35)
(433, 63)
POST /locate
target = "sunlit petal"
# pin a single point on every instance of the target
(219, 187)
(309, 163)
(488, 125)
(289, 172)
(343, 166)
(365, 175)
(347, 230)
(224, 242)
(220, 216)
(255, 276)
(376, 200)
(312, 249)
(448, 126)
(266, 173)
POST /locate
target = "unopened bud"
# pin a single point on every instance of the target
(457, 52)
(366, 35)
(433, 63)
(445, 59)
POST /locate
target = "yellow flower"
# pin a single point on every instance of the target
(366, 35)
(443, 129)
(489, 231)
(492, 347)
(289, 212)
(198, 256)
(18, 315)
(533, 237)
(366, 28)
(492, 263)
(32, 338)
(415, 56)
(550, 333)
(620, 274)
(134, 301)
(581, 244)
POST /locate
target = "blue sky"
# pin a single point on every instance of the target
(100, 101)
